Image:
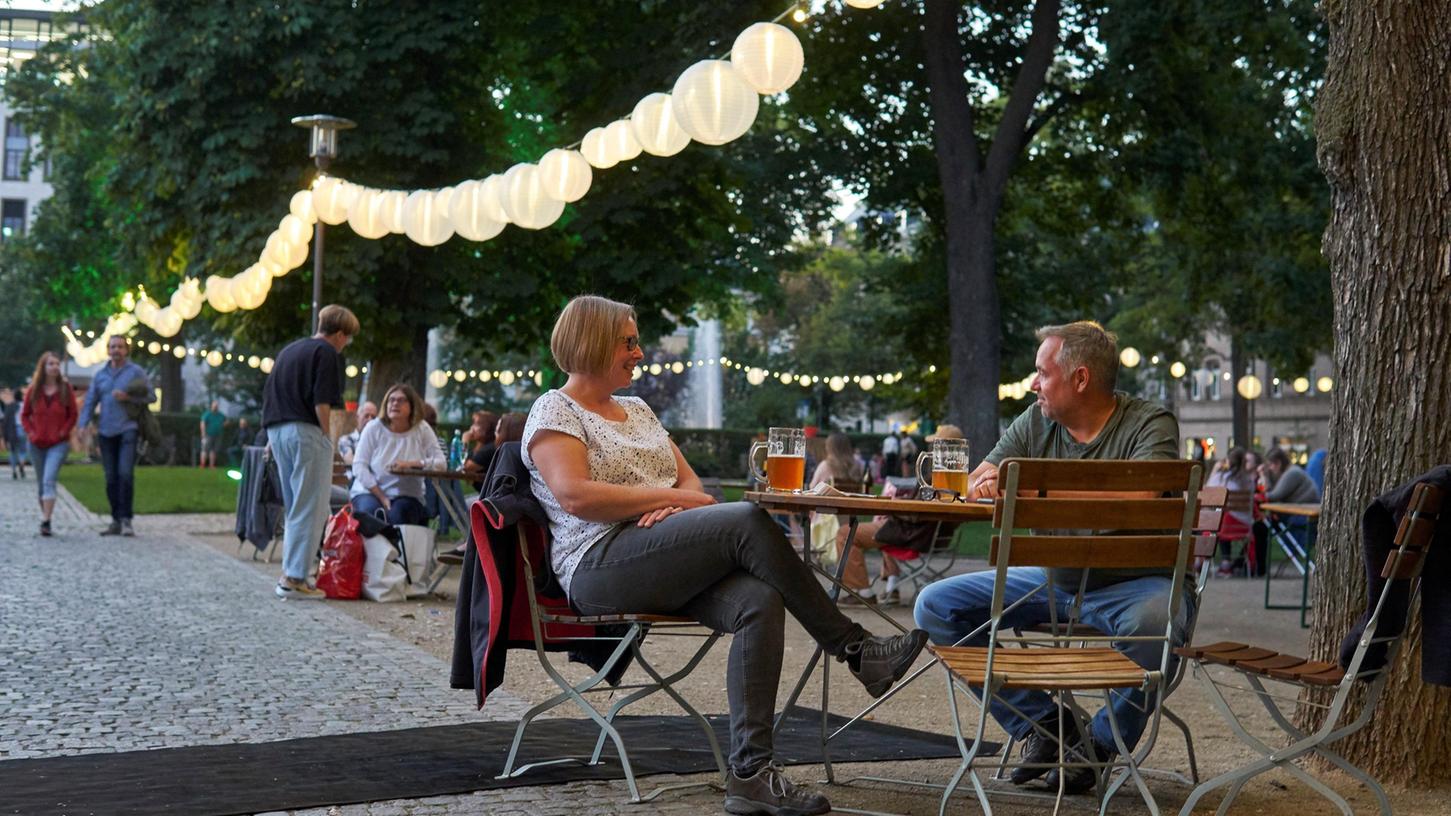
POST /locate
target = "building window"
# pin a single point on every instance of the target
(16, 144)
(1196, 385)
(12, 218)
(1216, 382)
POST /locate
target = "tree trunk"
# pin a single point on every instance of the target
(1240, 435)
(1384, 128)
(408, 366)
(173, 387)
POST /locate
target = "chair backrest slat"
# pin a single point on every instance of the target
(1159, 475)
(1211, 509)
(1091, 552)
(1418, 527)
(1095, 514)
(1241, 501)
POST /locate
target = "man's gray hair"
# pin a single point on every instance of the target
(1088, 344)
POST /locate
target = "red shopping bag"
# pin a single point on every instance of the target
(341, 574)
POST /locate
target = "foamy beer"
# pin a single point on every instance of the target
(785, 460)
(949, 459)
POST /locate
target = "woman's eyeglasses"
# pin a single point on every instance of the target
(632, 342)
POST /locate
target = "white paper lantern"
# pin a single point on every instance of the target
(145, 311)
(596, 150)
(467, 213)
(281, 253)
(621, 142)
(444, 198)
(1250, 387)
(272, 267)
(365, 216)
(425, 222)
(294, 229)
(525, 201)
(654, 124)
(214, 358)
(768, 57)
(192, 288)
(181, 304)
(437, 378)
(168, 322)
(566, 174)
(331, 197)
(712, 103)
(219, 294)
(301, 206)
(266, 365)
(390, 210)
(864, 4)
(492, 190)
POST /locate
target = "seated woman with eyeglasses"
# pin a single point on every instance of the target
(397, 439)
(634, 532)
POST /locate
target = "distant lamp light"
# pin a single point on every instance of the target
(234, 475)
(1324, 384)
(351, 371)
(1154, 360)
(437, 378)
(1250, 387)
(1130, 357)
(322, 142)
(1301, 385)
(799, 15)
(1177, 369)
(868, 383)
(864, 4)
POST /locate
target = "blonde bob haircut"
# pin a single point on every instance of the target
(586, 333)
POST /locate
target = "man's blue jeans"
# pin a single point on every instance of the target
(304, 457)
(953, 607)
(118, 462)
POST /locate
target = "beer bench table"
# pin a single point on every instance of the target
(853, 506)
(1301, 558)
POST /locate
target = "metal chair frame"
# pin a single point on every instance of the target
(1404, 563)
(1155, 683)
(628, 645)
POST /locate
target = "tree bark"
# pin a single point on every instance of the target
(1240, 435)
(972, 191)
(407, 366)
(1383, 121)
(173, 387)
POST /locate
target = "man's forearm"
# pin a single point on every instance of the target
(324, 416)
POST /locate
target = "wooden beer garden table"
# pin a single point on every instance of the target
(852, 506)
(1301, 557)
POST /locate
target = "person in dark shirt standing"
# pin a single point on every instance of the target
(306, 383)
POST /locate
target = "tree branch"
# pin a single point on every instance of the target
(1043, 118)
(953, 128)
(1012, 135)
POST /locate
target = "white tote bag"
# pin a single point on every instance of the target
(384, 578)
(418, 550)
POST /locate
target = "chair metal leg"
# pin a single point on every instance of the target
(1131, 762)
(1183, 727)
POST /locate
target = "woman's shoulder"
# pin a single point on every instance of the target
(637, 408)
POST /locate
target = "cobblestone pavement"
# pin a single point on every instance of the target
(122, 644)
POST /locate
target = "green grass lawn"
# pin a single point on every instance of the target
(158, 489)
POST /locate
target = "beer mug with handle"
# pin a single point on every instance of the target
(949, 460)
(785, 460)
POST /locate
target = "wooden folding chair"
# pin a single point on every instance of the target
(1208, 518)
(554, 622)
(1255, 665)
(1047, 496)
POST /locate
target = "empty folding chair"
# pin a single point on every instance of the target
(1220, 664)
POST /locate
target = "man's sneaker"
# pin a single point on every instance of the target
(114, 528)
(1080, 779)
(1041, 750)
(290, 590)
(879, 661)
(126, 528)
(769, 791)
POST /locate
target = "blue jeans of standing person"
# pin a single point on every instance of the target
(118, 462)
(404, 510)
(304, 457)
(47, 467)
(953, 607)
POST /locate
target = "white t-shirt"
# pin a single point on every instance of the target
(633, 452)
(890, 445)
(378, 448)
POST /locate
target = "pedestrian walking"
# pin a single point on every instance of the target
(213, 422)
(10, 432)
(49, 415)
(115, 388)
(306, 383)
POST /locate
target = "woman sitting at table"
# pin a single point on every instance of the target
(479, 439)
(398, 439)
(634, 532)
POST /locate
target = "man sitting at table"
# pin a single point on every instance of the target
(1078, 415)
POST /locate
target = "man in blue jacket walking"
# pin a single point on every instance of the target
(109, 389)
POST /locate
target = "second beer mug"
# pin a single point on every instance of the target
(949, 460)
(785, 460)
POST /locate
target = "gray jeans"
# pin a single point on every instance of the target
(730, 567)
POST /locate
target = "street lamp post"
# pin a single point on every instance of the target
(322, 146)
